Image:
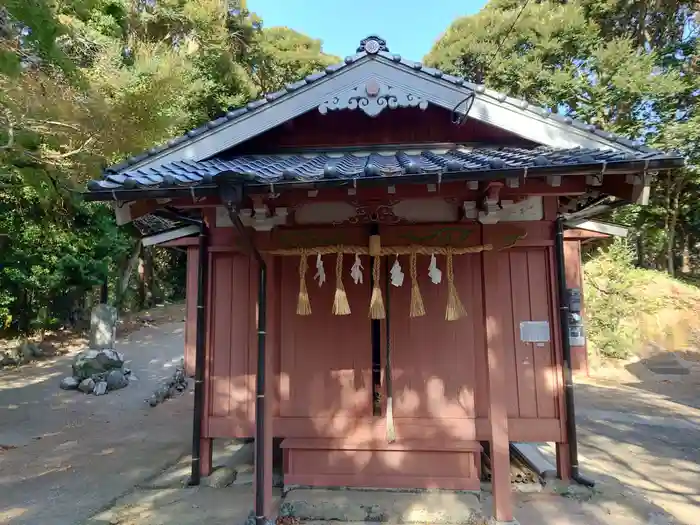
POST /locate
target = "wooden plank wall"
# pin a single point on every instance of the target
(322, 363)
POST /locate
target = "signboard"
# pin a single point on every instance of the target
(534, 331)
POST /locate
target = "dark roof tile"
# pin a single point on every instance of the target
(416, 66)
(310, 167)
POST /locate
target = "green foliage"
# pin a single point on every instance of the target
(631, 68)
(84, 83)
(628, 306)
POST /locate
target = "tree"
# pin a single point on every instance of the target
(84, 83)
(284, 55)
(631, 68)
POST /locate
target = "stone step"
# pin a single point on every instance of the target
(357, 506)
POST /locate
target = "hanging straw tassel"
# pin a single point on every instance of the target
(376, 304)
(340, 303)
(455, 308)
(303, 303)
(417, 308)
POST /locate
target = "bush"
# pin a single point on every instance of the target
(628, 306)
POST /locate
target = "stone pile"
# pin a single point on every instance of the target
(98, 372)
(99, 369)
(172, 387)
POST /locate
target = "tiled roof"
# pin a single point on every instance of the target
(334, 165)
(381, 50)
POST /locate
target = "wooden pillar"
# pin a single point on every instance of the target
(574, 279)
(563, 463)
(206, 454)
(498, 411)
(191, 309)
(271, 348)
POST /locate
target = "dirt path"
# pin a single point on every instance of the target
(67, 455)
(644, 431)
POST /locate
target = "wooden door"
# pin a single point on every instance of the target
(325, 361)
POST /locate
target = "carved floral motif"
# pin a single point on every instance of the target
(379, 213)
(372, 97)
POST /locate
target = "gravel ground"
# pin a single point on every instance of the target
(67, 455)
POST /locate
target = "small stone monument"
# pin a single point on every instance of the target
(103, 327)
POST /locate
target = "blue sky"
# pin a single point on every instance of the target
(409, 27)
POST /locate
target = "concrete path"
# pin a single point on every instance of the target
(644, 434)
(77, 459)
(71, 455)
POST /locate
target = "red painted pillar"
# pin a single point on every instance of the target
(206, 454)
(191, 308)
(574, 279)
(498, 411)
(563, 464)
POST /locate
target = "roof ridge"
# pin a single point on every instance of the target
(374, 47)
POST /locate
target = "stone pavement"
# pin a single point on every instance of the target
(231, 506)
(99, 460)
(644, 432)
(67, 454)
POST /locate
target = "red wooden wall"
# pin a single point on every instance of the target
(343, 128)
(321, 364)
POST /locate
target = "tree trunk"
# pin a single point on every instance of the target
(672, 223)
(640, 250)
(126, 273)
(685, 265)
(148, 276)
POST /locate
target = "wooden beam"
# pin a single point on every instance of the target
(497, 388)
(632, 187)
(183, 241)
(583, 234)
(170, 235)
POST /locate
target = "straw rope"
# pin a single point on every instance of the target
(341, 306)
(417, 307)
(385, 250)
(303, 303)
(376, 303)
(455, 309)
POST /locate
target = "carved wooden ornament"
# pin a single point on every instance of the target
(372, 97)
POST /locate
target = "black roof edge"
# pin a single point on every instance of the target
(209, 190)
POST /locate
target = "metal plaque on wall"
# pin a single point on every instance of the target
(534, 331)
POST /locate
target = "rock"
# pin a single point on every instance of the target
(103, 327)
(162, 393)
(100, 388)
(179, 375)
(9, 358)
(69, 383)
(87, 385)
(90, 362)
(221, 477)
(28, 351)
(116, 380)
(153, 400)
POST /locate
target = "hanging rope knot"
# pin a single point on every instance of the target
(376, 304)
(417, 307)
(341, 306)
(303, 303)
(455, 309)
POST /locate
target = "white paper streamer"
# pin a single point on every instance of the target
(397, 275)
(433, 271)
(356, 270)
(320, 272)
